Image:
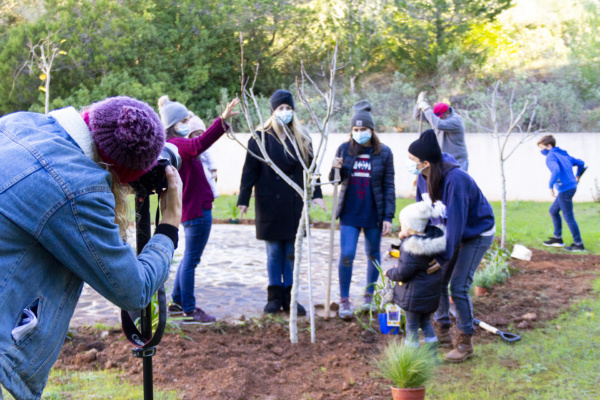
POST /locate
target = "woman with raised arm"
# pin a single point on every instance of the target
(197, 200)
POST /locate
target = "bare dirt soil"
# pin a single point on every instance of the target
(256, 360)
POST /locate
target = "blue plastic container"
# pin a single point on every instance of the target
(384, 328)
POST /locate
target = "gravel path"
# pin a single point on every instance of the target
(231, 279)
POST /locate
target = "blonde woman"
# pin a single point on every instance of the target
(278, 206)
(63, 216)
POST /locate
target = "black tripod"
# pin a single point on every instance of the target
(144, 341)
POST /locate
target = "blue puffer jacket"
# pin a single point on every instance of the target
(57, 231)
(561, 164)
(382, 180)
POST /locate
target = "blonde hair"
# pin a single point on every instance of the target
(120, 192)
(297, 130)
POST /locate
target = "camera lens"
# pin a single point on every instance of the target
(170, 153)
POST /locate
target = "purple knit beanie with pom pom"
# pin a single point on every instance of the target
(128, 134)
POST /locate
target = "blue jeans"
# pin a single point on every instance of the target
(280, 262)
(349, 241)
(564, 203)
(197, 232)
(414, 321)
(460, 277)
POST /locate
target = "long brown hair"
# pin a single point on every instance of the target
(435, 178)
(356, 149)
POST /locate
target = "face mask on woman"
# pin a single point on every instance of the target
(412, 167)
(285, 116)
(361, 137)
(545, 152)
(183, 130)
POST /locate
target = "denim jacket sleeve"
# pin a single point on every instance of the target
(83, 236)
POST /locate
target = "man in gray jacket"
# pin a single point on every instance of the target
(448, 126)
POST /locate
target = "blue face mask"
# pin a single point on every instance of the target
(183, 130)
(285, 116)
(361, 137)
(412, 167)
(545, 152)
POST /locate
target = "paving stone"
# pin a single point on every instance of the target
(231, 279)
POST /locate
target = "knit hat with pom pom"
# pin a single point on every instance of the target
(415, 216)
(171, 112)
(128, 134)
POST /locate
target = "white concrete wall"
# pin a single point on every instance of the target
(526, 172)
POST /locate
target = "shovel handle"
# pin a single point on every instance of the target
(506, 336)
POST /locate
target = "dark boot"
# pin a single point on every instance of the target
(442, 331)
(287, 299)
(274, 299)
(463, 350)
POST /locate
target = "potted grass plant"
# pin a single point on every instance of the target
(493, 271)
(408, 368)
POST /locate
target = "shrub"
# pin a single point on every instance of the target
(494, 269)
(406, 367)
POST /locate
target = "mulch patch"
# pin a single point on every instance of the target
(257, 361)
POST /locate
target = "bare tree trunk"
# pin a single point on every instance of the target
(503, 175)
(295, 286)
(47, 102)
(311, 308)
(353, 84)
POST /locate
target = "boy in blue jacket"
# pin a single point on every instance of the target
(561, 164)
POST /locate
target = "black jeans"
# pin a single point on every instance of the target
(460, 278)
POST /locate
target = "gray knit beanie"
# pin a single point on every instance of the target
(171, 112)
(362, 115)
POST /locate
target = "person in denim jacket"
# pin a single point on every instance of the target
(63, 213)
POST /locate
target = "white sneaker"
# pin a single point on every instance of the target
(345, 310)
(367, 304)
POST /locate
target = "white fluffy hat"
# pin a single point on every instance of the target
(415, 216)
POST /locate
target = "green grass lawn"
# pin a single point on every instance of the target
(64, 385)
(528, 222)
(558, 361)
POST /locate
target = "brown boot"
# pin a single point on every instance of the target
(463, 350)
(442, 332)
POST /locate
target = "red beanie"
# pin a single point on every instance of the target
(440, 108)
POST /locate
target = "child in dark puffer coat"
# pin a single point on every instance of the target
(418, 274)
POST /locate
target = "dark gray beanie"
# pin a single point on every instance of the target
(362, 115)
(282, 97)
(171, 112)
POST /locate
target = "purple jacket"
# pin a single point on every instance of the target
(197, 194)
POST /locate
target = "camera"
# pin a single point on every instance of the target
(155, 180)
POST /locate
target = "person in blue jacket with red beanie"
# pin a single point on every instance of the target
(470, 228)
(561, 164)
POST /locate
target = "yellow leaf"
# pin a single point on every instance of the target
(62, 41)
(62, 52)
(43, 77)
(42, 88)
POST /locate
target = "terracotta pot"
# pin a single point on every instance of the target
(408, 394)
(481, 291)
